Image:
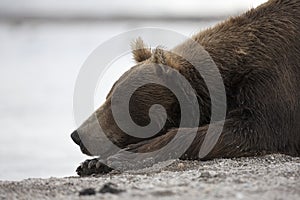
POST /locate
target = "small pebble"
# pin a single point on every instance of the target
(110, 188)
(87, 191)
(180, 166)
(205, 175)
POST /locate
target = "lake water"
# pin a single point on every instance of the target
(39, 66)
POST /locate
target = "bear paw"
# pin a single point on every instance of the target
(93, 166)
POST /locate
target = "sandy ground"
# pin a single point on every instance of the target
(268, 177)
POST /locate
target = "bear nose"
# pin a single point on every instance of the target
(75, 137)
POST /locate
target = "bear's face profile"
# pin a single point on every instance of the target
(144, 96)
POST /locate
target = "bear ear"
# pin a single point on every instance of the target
(159, 56)
(168, 58)
(140, 51)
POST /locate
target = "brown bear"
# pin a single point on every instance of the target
(258, 57)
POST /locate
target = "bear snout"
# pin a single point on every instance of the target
(75, 137)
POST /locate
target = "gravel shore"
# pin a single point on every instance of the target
(267, 177)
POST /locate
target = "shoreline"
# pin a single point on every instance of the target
(268, 177)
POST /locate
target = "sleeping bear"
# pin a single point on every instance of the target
(258, 57)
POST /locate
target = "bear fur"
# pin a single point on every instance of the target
(258, 56)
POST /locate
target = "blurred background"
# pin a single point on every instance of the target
(43, 44)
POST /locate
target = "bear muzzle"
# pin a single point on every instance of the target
(75, 137)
